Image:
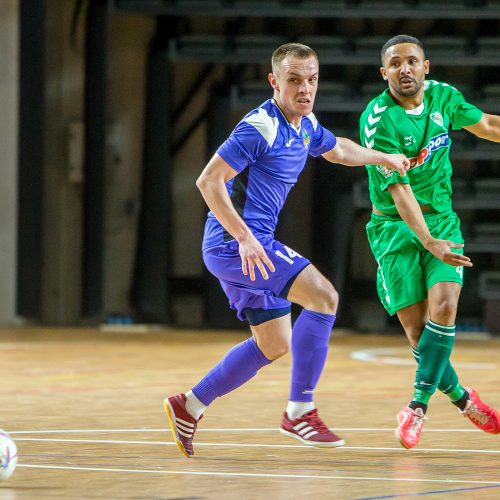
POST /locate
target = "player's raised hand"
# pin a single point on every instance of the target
(397, 162)
(442, 250)
(253, 255)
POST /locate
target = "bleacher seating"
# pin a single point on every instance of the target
(381, 9)
(461, 38)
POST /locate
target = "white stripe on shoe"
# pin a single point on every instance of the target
(185, 434)
(309, 435)
(184, 423)
(184, 428)
(316, 444)
(299, 426)
(305, 430)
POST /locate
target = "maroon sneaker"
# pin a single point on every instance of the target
(182, 424)
(310, 429)
(484, 417)
(410, 426)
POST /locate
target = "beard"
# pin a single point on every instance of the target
(409, 91)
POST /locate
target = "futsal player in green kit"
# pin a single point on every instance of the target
(413, 232)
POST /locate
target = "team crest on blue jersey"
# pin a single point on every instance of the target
(306, 139)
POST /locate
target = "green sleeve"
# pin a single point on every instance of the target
(461, 112)
(385, 139)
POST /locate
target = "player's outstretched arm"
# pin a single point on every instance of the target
(212, 185)
(411, 213)
(347, 152)
(488, 127)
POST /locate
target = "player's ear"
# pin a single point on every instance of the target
(383, 73)
(427, 66)
(273, 81)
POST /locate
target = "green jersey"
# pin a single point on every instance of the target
(420, 134)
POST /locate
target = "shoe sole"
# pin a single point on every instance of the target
(401, 442)
(316, 444)
(171, 420)
(484, 430)
(470, 391)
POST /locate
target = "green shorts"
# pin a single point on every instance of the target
(406, 270)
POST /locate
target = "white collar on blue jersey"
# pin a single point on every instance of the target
(297, 129)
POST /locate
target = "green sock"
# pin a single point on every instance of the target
(434, 349)
(456, 393)
(449, 383)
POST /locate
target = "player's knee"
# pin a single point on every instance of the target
(327, 299)
(277, 349)
(334, 300)
(445, 312)
(413, 333)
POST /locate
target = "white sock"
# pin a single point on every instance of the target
(295, 409)
(194, 406)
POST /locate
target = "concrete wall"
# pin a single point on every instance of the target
(128, 39)
(127, 46)
(9, 48)
(63, 189)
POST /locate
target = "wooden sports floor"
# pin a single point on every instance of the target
(86, 410)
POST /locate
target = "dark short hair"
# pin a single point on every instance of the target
(298, 50)
(400, 39)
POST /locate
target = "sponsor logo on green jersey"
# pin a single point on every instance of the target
(437, 142)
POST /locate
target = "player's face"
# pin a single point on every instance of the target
(404, 69)
(295, 84)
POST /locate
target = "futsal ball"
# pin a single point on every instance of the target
(8, 455)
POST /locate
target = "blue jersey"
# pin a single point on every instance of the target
(269, 154)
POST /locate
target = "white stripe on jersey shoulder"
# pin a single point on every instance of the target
(428, 83)
(266, 125)
(371, 124)
(313, 120)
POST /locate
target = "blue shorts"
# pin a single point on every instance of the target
(224, 262)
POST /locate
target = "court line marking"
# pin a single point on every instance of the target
(251, 474)
(236, 429)
(422, 493)
(259, 445)
(8, 346)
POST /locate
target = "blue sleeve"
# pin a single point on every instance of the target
(323, 141)
(242, 147)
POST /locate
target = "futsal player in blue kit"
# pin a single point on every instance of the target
(245, 185)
